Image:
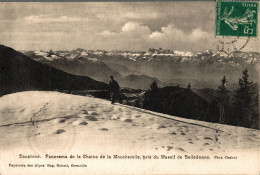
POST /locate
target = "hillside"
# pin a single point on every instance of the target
(19, 73)
(207, 93)
(177, 101)
(65, 125)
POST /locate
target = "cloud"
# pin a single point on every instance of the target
(48, 18)
(135, 29)
(107, 33)
(139, 37)
(133, 26)
(198, 34)
(129, 30)
(175, 38)
(156, 34)
(171, 31)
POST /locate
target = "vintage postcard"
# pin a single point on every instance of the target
(165, 87)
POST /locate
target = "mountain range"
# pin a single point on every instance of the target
(19, 73)
(167, 67)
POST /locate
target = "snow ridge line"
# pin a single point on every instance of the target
(166, 117)
(41, 109)
(37, 121)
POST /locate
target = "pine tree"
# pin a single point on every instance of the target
(189, 86)
(223, 99)
(50, 53)
(154, 96)
(127, 102)
(137, 103)
(244, 101)
(154, 87)
(151, 97)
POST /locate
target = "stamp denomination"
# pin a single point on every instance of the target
(236, 18)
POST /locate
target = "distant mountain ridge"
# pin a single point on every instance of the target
(204, 68)
(153, 55)
(19, 72)
(75, 62)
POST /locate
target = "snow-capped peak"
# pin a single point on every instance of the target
(180, 53)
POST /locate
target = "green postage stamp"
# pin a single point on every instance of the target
(236, 18)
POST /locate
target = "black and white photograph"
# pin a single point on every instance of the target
(129, 88)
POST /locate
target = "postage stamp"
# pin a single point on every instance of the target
(236, 18)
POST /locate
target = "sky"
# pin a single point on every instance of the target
(184, 26)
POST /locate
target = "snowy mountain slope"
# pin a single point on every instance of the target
(53, 123)
(64, 110)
